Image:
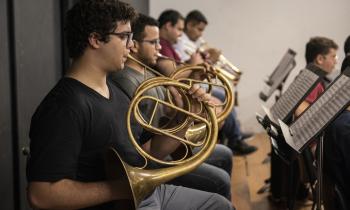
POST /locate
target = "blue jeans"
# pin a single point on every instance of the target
(231, 128)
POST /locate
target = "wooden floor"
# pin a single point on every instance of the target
(248, 177)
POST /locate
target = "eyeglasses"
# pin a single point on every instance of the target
(154, 42)
(123, 36)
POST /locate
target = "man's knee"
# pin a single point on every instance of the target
(218, 202)
(225, 158)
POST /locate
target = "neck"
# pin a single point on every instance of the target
(186, 33)
(320, 67)
(90, 75)
(135, 65)
(163, 34)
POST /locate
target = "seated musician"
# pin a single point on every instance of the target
(174, 44)
(321, 52)
(212, 177)
(337, 157)
(336, 154)
(84, 114)
(346, 61)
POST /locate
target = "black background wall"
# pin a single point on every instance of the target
(32, 60)
(6, 158)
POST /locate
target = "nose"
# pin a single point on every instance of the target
(130, 44)
(158, 46)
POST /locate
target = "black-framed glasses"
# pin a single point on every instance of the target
(154, 42)
(124, 36)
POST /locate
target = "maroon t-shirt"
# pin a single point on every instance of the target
(311, 98)
(168, 50)
(315, 93)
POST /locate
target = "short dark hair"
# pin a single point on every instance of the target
(347, 45)
(318, 45)
(169, 15)
(195, 16)
(139, 24)
(93, 16)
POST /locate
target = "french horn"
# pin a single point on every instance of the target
(142, 181)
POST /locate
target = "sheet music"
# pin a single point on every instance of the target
(287, 61)
(293, 95)
(320, 113)
(278, 75)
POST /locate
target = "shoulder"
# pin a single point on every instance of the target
(315, 93)
(65, 97)
(121, 93)
(69, 95)
(339, 129)
(343, 120)
(127, 74)
(126, 80)
(66, 93)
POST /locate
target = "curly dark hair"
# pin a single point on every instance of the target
(94, 16)
(139, 24)
(318, 45)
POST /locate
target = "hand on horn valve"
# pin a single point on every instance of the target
(200, 95)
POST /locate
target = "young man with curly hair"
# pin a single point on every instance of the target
(84, 114)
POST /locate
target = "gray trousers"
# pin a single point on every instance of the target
(170, 197)
(211, 176)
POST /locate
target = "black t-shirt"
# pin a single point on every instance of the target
(71, 130)
(337, 153)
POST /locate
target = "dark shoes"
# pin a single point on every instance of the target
(242, 148)
(246, 135)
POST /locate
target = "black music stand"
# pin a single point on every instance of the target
(279, 75)
(284, 109)
(316, 118)
(290, 99)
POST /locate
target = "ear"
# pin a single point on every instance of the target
(135, 47)
(319, 59)
(94, 40)
(168, 25)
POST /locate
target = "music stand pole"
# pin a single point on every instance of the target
(280, 89)
(319, 172)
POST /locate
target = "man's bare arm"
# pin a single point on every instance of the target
(70, 194)
(301, 108)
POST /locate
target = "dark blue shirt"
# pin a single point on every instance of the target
(337, 153)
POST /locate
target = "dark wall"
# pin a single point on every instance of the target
(37, 52)
(6, 159)
(141, 6)
(32, 60)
